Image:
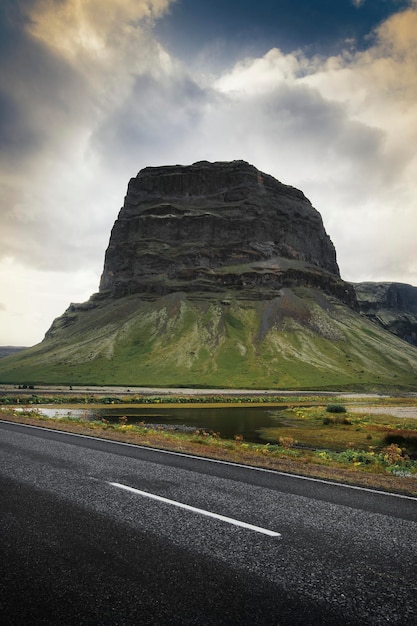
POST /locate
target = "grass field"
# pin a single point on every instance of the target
(302, 339)
(316, 428)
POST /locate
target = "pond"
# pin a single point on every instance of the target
(227, 421)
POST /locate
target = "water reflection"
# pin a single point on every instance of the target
(227, 421)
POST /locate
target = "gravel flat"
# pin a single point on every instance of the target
(397, 411)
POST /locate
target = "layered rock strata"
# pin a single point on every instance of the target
(214, 227)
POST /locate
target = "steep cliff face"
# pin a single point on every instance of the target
(212, 227)
(391, 305)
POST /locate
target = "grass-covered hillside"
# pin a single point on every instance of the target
(301, 339)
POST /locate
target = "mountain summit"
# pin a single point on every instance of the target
(217, 274)
(210, 227)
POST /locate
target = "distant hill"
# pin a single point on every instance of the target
(391, 305)
(218, 275)
(7, 350)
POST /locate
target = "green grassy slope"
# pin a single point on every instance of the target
(301, 339)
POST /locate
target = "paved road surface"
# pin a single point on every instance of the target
(82, 543)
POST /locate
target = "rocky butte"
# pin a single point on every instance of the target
(219, 275)
(210, 227)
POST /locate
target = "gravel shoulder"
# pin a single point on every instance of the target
(397, 411)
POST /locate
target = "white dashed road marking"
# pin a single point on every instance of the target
(193, 509)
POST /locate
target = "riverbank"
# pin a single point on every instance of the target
(382, 470)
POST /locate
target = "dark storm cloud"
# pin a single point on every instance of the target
(37, 102)
(302, 115)
(15, 132)
(13, 16)
(64, 68)
(16, 135)
(293, 125)
(159, 113)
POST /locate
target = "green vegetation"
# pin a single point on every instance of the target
(352, 437)
(299, 340)
(368, 449)
(335, 408)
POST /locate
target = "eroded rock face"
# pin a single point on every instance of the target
(213, 227)
(392, 305)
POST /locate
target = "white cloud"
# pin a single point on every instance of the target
(88, 97)
(343, 130)
(35, 298)
(259, 75)
(76, 28)
(73, 67)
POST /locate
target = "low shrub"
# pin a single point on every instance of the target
(404, 441)
(393, 454)
(335, 408)
(286, 442)
(336, 420)
(357, 457)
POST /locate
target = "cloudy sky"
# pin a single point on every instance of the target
(322, 95)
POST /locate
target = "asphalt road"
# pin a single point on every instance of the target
(82, 543)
